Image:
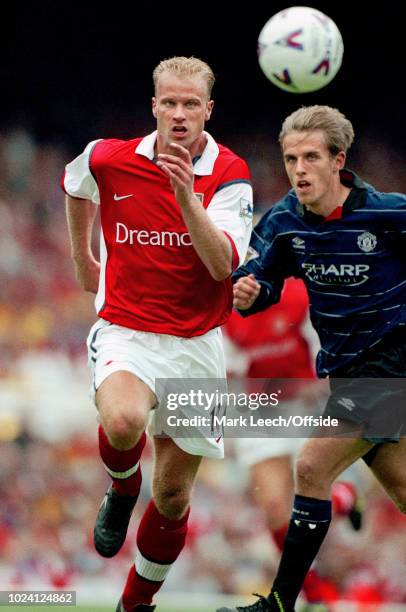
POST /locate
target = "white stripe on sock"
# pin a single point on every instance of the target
(125, 474)
(156, 572)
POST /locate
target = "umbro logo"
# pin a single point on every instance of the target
(117, 198)
(299, 243)
(347, 403)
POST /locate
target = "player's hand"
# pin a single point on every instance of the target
(87, 273)
(246, 291)
(179, 168)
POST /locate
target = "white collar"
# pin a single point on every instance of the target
(202, 167)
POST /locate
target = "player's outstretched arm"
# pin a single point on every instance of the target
(246, 291)
(80, 216)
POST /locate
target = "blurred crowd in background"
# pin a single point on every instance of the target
(51, 477)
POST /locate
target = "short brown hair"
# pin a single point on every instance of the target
(185, 66)
(337, 128)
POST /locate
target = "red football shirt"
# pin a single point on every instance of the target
(276, 342)
(151, 277)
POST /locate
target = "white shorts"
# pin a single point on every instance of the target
(250, 451)
(150, 356)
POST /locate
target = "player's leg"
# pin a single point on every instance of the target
(124, 403)
(120, 360)
(270, 465)
(388, 465)
(272, 489)
(162, 531)
(319, 463)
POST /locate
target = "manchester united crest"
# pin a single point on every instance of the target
(366, 242)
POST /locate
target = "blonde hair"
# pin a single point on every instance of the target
(336, 127)
(185, 66)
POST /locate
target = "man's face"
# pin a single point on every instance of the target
(181, 108)
(312, 170)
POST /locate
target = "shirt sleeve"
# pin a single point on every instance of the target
(267, 262)
(231, 210)
(78, 181)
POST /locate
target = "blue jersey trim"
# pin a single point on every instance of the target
(233, 182)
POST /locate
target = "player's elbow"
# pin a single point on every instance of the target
(220, 262)
(221, 272)
(221, 277)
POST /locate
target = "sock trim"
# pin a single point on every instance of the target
(311, 510)
(122, 475)
(150, 570)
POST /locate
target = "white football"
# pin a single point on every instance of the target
(300, 49)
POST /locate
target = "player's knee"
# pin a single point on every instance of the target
(307, 474)
(172, 501)
(124, 430)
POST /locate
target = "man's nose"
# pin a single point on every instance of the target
(179, 112)
(300, 166)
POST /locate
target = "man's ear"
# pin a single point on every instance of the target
(209, 109)
(154, 107)
(340, 160)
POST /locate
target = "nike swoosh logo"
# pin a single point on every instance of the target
(117, 197)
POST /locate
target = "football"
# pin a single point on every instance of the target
(300, 49)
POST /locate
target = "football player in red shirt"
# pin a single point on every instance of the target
(176, 211)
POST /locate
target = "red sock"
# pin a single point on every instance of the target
(279, 536)
(159, 542)
(343, 497)
(122, 465)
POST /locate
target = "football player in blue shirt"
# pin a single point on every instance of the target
(347, 242)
